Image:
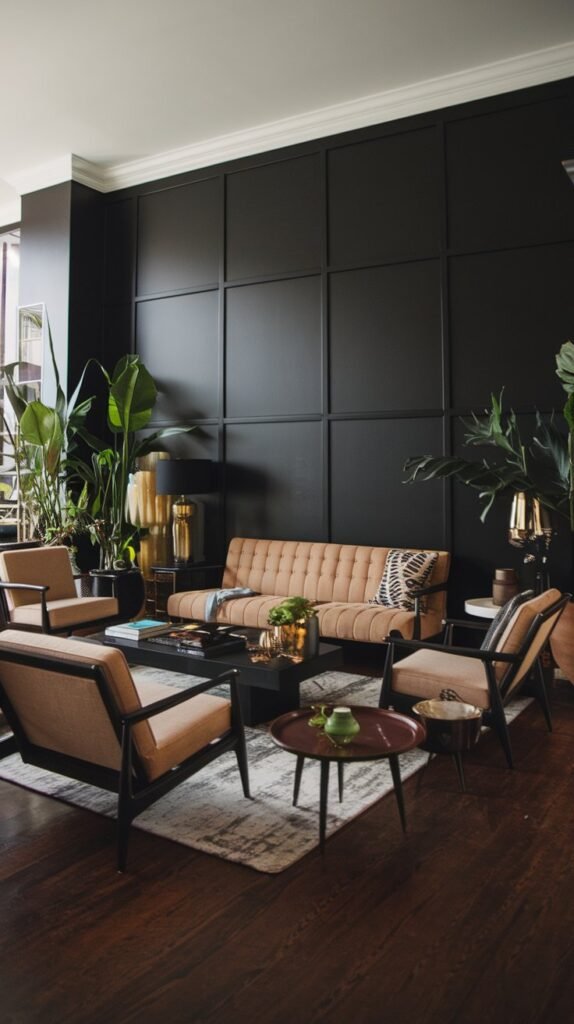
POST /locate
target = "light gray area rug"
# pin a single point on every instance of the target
(209, 813)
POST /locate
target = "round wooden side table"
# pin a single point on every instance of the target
(384, 734)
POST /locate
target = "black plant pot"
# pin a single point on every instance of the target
(125, 584)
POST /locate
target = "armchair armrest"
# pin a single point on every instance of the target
(24, 586)
(40, 588)
(465, 652)
(450, 624)
(418, 594)
(429, 590)
(179, 697)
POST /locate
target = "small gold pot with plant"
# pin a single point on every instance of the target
(296, 621)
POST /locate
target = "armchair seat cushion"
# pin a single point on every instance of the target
(425, 673)
(66, 612)
(181, 731)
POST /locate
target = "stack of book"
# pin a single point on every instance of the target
(202, 640)
(143, 629)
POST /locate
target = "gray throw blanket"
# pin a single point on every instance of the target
(219, 596)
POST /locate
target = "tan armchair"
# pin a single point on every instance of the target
(38, 592)
(75, 709)
(487, 677)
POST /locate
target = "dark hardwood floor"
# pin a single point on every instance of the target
(469, 918)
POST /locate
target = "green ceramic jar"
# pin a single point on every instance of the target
(341, 725)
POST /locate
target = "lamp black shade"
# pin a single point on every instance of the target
(185, 476)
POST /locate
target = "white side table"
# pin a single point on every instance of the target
(481, 607)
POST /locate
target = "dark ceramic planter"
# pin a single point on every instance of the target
(125, 584)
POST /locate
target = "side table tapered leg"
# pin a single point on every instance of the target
(341, 780)
(298, 774)
(323, 803)
(396, 773)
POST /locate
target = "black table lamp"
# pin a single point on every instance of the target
(184, 477)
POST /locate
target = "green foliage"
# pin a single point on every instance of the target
(131, 397)
(290, 611)
(541, 467)
(50, 468)
(43, 449)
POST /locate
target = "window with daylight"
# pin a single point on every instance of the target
(9, 353)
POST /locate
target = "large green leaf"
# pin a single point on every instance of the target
(132, 396)
(40, 426)
(565, 366)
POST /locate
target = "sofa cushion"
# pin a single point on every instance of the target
(405, 571)
(371, 623)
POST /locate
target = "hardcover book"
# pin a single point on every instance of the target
(143, 629)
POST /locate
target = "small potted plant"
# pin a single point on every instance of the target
(296, 620)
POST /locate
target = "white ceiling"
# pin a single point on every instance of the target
(123, 83)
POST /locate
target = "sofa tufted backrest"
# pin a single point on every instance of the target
(317, 571)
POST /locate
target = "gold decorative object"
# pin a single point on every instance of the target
(529, 521)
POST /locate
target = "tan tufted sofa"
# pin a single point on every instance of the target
(340, 578)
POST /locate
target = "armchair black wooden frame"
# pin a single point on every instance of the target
(135, 791)
(419, 596)
(499, 694)
(42, 589)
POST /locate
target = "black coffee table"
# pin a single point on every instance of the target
(266, 690)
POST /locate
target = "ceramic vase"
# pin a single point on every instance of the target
(341, 725)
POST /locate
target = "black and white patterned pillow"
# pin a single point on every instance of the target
(404, 572)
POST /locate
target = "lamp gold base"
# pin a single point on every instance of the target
(183, 512)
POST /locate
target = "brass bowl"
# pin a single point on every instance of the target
(452, 726)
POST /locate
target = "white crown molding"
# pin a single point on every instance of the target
(492, 79)
(87, 173)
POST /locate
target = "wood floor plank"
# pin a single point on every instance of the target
(468, 918)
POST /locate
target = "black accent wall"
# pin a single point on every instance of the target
(322, 312)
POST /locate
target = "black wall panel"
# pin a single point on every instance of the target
(506, 184)
(340, 304)
(273, 218)
(273, 354)
(384, 199)
(179, 238)
(510, 312)
(371, 504)
(274, 479)
(119, 264)
(386, 350)
(177, 339)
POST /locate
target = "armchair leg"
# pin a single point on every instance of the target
(501, 729)
(541, 693)
(241, 755)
